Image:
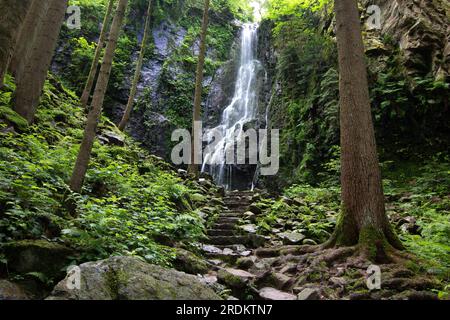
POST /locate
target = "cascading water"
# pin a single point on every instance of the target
(242, 110)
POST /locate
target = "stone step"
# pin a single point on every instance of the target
(223, 226)
(233, 205)
(223, 219)
(220, 232)
(238, 209)
(234, 247)
(228, 240)
(240, 193)
(231, 213)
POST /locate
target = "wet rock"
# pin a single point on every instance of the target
(190, 263)
(274, 294)
(245, 262)
(235, 278)
(250, 228)
(291, 237)
(12, 291)
(250, 216)
(42, 256)
(309, 294)
(129, 278)
(409, 225)
(211, 249)
(112, 138)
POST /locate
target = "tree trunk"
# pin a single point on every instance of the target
(363, 218)
(137, 74)
(13, 14)
(30, 85)
(98, 51)
(32, 24)
(193, 167)
(84, 155)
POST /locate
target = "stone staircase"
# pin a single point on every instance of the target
(226, 242)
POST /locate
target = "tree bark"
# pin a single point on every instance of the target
(84, 155)
(32, 24)
(363, 218)
(137, 74)
(13, 13)
(98, 51)
(193, 167)
(30, 85)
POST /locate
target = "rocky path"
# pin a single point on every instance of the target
(239, 256)
(227, 242)
(253, 267)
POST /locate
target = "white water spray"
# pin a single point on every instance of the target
(242, 109)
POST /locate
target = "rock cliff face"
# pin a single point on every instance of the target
(166, 87)
(421, 29)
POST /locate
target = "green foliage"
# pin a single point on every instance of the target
(307, 109)
(308, 210)
(131, 203)
(421, 192)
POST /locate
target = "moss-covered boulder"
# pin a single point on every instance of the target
(48, 258)
(129, 278)
(190, 263)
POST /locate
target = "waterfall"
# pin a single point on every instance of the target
(242, 109)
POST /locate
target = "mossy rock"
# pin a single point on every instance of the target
(129, 278)
(40, 256)
(190, 263)
(198, 198)
(12, 117)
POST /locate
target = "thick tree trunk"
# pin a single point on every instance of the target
(137, 74)
(84, 155)
(32, 24)
(13, 13)
(363, 219)
(31, 83)
(193, 167)
(98, 52)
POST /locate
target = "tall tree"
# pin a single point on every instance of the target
(84, 155)
(30, 85)
(137, 73)
(363, 218)
(193, 167)
(98, 51)
(13, 14)
(24, 45)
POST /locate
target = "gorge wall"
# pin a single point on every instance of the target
(408, 62)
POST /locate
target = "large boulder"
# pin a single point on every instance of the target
(129, 278)
(41, 256)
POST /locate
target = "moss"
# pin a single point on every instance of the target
(114, 280)
(231, 280)
(12, 117)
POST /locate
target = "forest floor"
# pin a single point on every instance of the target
(259, 246)
(256, 267)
